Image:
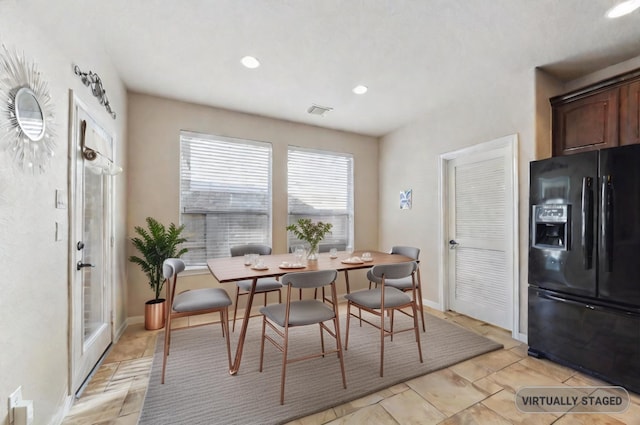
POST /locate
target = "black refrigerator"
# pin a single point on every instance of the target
(584, 263)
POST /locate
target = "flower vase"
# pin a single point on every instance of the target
(312, 253)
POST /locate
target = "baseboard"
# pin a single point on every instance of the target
(65, 408)
(523, 338)
(134, 320)
(118, 333)
(431, 304)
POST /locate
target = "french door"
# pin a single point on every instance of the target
(90, 249)
(480, 231)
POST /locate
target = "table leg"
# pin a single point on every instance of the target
(420, 306)
(346, 280)
(243, 330)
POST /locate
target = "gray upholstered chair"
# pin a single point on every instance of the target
(326, 247)
(263, 285)
(404, 284)
(190, 303)
(384, 299)
(280, 317)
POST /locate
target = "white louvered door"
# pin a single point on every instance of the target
(480, 236)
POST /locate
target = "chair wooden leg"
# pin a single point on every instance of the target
(224, 317)
(417, 329)
(284, 364)
(264, 326)
(391, 324)
(235, 309)
(421, 308)
(321, 338)
(167, 336)
(381, 342)
(346, 338)
(424, 329)
(336, 327)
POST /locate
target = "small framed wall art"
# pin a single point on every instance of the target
(405, 199)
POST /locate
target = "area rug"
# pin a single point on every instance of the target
(199, 390)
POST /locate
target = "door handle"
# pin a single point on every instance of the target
(80, 265)
(453, 244)
(587, 222)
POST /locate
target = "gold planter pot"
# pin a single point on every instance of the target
(154, 314)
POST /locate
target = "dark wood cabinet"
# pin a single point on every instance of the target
(604, 115)
(586, 124)
(630, 113)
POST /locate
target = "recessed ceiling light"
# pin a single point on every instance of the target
(623, 8)
(360, 89)
(250, 62)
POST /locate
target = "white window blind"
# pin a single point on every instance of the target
(320, 187)
(225, 194)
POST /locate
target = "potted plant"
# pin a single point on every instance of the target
(156, 243)
(310, 232)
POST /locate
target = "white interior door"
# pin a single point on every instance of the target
(480, 235)
(91, 235)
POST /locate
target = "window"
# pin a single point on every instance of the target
(320, 186)
(225, 194)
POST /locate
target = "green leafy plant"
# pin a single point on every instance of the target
(310, 232)
(156, 243)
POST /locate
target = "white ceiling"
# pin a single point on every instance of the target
(414, 55)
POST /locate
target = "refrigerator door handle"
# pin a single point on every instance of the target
(548, 296)
(587, 222)
(606, 221)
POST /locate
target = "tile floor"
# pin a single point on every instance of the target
(477, 391)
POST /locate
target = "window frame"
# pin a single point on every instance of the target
(184, 137)
(350, 199)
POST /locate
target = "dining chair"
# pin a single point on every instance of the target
(192, 302)
(263, 285)
(324, 248)
(281, 317)
(404, 284)
(386, 299)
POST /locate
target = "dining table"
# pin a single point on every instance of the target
(232, 269)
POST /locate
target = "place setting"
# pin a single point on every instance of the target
(364, 258)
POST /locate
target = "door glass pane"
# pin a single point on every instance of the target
(92, 277)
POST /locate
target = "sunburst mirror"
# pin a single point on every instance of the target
(26, 113)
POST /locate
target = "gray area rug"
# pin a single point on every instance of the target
(199, 390)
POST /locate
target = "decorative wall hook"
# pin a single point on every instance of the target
(93, 81)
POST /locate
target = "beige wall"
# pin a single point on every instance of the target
(154, 128)
(34, 307)
(409, 160)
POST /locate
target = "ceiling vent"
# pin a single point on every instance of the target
(319, 110)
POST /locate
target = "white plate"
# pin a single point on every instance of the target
(260, 268)
(292, 266)
(352, 262)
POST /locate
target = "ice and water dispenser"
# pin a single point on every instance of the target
(550, 226)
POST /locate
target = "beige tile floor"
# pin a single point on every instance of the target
(478, 391)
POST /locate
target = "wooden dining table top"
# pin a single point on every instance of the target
(231, 269)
